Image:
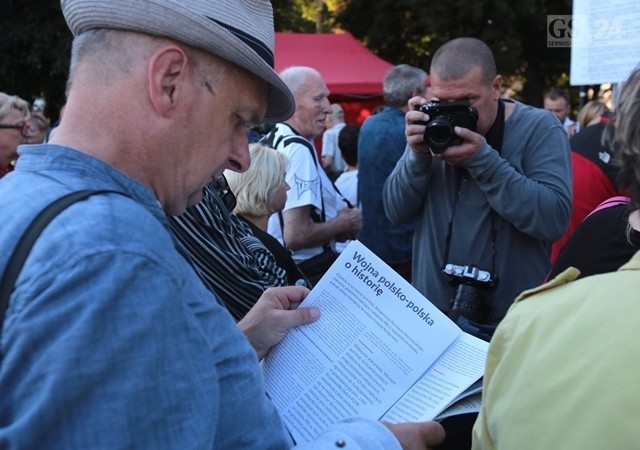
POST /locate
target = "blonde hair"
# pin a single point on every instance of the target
(255, 187)
(590, 111)
(9, 102)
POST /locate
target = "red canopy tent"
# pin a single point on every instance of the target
(352, 72)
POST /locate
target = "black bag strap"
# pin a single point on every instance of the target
(28, 239)
(270, 140)
(303, 141)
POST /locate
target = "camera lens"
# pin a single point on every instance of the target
(466, 302)
(439, 134)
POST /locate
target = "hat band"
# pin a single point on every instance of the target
(261, 49)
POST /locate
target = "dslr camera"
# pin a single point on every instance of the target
(443, 117)
(470, 283)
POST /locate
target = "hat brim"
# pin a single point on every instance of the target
(177, 22)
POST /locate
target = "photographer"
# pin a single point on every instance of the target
(489, 202)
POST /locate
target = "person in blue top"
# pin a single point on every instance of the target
(381, 143)
(110, 339)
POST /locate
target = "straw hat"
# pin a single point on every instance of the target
(240, 31)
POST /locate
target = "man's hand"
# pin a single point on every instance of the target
(418, 435)
(350, 222)
(414, 128)
(326, 161)
(458, 155)
(273, 314)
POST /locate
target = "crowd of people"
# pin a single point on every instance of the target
(143, 310)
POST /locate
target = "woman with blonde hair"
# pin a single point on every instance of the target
(14, 127)
(591, 113)
(260, 192)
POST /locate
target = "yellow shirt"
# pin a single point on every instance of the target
(563, 369)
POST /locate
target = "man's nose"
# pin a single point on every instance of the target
(240, 159)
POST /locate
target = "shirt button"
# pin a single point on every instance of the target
(341, 443)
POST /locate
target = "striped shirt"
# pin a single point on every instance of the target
(231, 261)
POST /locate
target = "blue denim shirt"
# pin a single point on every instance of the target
(380, 145)
(111, 340)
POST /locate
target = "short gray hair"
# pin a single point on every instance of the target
(112, 50)
(117, 51)
(401, 83)
(297, 77)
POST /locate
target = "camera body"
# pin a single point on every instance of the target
(443, 117)
(470, 283)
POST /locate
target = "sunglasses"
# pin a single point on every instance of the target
(23, 127)
(224, 191)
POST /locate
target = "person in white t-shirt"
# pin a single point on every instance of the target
(315, 214)
(347, 182)
(331, 156)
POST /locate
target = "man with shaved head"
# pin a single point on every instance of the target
(490, 203)
(488, 181)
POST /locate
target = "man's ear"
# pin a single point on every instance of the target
(497, 87)
(168, 67)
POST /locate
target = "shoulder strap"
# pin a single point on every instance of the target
(270, 140)
(29, 237)
(287, 139)
(303, 141)
(613, 201)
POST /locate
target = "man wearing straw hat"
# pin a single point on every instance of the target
(109, 338)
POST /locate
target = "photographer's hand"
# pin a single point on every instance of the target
(458, 155)
(414, 128)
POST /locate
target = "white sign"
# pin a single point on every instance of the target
(605, 40)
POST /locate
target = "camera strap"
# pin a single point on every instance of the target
(494, 138)
(496, 132)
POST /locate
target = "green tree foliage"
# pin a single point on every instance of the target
(35, 42)
(295, 15)
(34, 52)
(409, 31)
(301, 16)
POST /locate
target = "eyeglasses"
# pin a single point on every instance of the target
(224, 191)
(23, 127)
